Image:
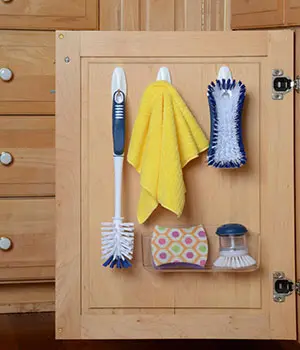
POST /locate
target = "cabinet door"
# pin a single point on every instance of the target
(45, 14)
(163, 15)
(257, 13)
(29, 56)
(292, 12)
(96, 303)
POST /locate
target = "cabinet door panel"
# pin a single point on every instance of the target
(186, 291)
(44, 14)
(30, 57)
(94, 302)
(256, 13)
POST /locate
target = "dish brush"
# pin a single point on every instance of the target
(226, 100)
(233, 248)
(118, 236)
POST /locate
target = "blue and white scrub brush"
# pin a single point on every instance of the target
(226, 100)
(118, 236)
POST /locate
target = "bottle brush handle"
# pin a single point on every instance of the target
(118, 130)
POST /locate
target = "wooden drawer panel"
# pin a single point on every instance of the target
(30, 141)
(30, 225)
(257, 13)
(292, 12)
(26, 297)
(45, 14)
(30, 57)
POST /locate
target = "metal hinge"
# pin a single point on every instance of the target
(283, 287)
(282, 84)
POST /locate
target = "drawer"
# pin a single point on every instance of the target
(27, 297)
(29, 58)
(29, 225)
(45, 14)
(31, 143)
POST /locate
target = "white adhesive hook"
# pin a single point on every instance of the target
(118, 81)
(164, 74)
(224, 73)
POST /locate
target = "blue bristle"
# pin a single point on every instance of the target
(113, 263)
(127, 263)
(118, 263)
(108, 261)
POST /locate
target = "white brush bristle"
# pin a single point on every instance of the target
(227, 147)
(117, 239)
(234, 262)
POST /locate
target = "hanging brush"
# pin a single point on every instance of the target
(117, 236)
(226, 101)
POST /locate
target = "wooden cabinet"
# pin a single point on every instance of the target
(27, 106)
(45, 14)
(29, 224)
(163, 15)
(93, 302)
(30, 58)
(30, 141)
(266, 13)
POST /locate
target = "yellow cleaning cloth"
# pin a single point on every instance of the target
(164, 139)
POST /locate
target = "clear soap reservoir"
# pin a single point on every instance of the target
(232, 238)
(233, 247)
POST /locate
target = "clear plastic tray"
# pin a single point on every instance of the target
(213, 253)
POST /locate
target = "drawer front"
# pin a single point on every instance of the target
(45, 14)
(27, 77)
(27, 297)
(29, 227)
(30, 141)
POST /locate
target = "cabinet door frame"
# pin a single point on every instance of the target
(71, 322)
(297, 169)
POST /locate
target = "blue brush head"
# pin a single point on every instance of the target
(226, 101)
(119, 263)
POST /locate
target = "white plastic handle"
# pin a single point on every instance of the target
(164, 74)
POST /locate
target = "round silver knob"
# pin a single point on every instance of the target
(5, 243)
(6, 158)
(6, 74)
